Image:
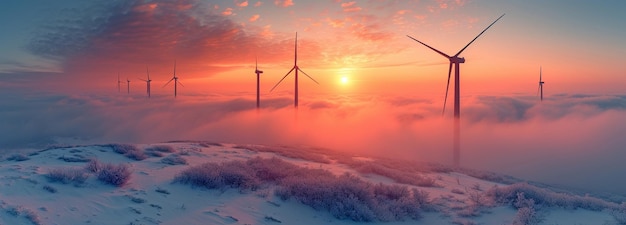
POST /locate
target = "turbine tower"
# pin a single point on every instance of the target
(175, 79)
(128, 84)
(456, 60)
(540, 88)
(296, 68)
(258, 75)
(119, 82)
(147, 82)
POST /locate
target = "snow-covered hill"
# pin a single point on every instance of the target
(212, 183)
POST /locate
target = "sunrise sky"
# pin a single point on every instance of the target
(85, 44)
(380, 92)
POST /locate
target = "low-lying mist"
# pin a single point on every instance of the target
(571, 140)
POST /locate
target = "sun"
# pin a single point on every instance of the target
(344, 80)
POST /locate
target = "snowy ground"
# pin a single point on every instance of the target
(29, 196)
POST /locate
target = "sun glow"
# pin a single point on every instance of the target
(344, 75)
(344, 80)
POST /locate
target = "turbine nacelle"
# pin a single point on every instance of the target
(258, 71)
(456, 59)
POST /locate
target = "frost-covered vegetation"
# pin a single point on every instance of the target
(510, 195)
(345, 197)
(73, 175)
(405, 172)
(400, 176)
(174, 159)
(130, 151)
(114, 174)
(295, 153)
(160, 148)
(28, 214)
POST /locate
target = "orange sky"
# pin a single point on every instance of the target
(215, 44)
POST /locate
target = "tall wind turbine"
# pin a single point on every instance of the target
(175, 79)
(119, 82)
(540, 88)
(128, 84)
(456, 60)
(296, 68)
(147, 82)
(258, 75)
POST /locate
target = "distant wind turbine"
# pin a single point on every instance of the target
(296, 68)
(147, 82)
(258, 75)
(456, 60)
(175, 79)
(119, 82)
(128, 84)
(540, 88)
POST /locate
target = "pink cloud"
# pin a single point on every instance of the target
(283, 3)
(254, 18)
(228, 12)
(398, 17)
(402, 12)
(335, 23)
(258, 3)
(350, 7)
(371, 32)
(347, 4)
(240, 3)
(353, 9)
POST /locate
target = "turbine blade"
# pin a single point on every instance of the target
(463, 49)
(181, 84)
(168, 82)
(281, 80)
(174, 68)
(142, 79)
(295, 61)
(148, 72)
(538, 87)
(441, 53)
(540, 74)
(256, 64)
(447, 88)
(309, 76)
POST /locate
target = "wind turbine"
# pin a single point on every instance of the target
(128, 84)
(147, 82)
(296, 68)
(456, 60)
(119, 82)
(175, 79)
(258, 75)
(540, 88)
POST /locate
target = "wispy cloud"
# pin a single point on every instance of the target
(254, 17)
(227, 12)
(283, 3)
(241, 3)
(350, 7)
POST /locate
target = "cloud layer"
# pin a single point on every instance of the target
(574, 140)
